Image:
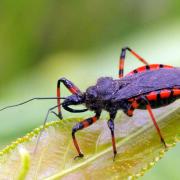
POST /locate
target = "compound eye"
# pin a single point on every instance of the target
(91, 93)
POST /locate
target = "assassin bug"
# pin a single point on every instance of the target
(147, 87)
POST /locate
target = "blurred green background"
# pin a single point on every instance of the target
(81, 40)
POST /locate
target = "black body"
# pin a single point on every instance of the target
(111, 95)
(151, 86)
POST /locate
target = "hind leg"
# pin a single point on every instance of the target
(122, 59)
(143, 101)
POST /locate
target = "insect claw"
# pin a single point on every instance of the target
(58, 115)
(79, 156)
(164, 143)
(115, 153)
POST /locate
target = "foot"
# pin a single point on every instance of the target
(115, 153)
(164, 143)
(79, 156)
(58, 115)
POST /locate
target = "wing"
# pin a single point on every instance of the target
(146, 82)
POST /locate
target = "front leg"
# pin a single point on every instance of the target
(71, 87)
(111, 127)
(81, 125)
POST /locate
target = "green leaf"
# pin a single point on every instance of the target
(138, 147)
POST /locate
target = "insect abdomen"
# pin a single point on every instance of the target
(162, 97)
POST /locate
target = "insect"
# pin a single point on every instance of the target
(147, 87)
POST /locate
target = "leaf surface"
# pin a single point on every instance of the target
(138, 147)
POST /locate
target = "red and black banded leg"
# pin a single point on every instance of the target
(122, 59)
(71, 87)
(81, 125)
(111, 127)
(148, 107)
(144, 101)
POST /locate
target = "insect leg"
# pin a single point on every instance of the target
(111, 127)
(148, 107)
(71, 87)
(122, 59)
(81, 125)
(144, 101)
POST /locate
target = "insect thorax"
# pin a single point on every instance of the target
(100, 96)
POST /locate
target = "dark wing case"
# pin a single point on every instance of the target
(148, 81)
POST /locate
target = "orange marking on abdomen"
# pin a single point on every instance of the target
(152, 96)
(176, 92)
(141, 69)
(167, 66)
(159, 66)
(151, 67)
(154, 66)
(164, 94)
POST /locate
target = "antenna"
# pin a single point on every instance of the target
(45, 120)
(36, 98)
